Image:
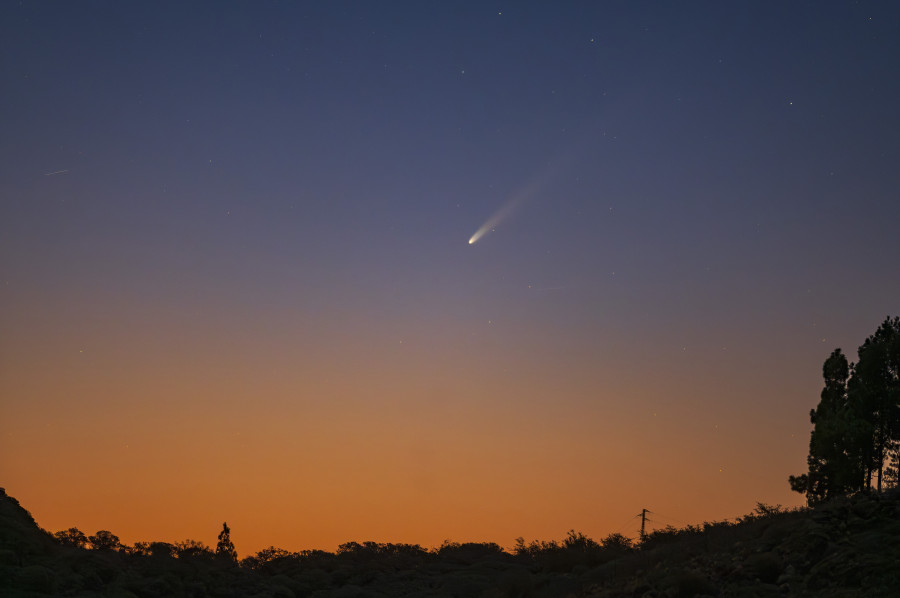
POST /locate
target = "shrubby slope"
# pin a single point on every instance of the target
(849, 546)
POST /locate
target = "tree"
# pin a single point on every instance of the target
(225, 549)
(161, 549)
(138, 549)
(155, 549)
(192, 549)
(617, 542)
(856, 426)
(831, 467)
(71, 537)
(265, 557)
(874, 391)
(104, 540)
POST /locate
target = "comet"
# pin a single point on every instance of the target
(499, 216)
(523, 194)
(543, 174)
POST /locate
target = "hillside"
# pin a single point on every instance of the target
(847, 547)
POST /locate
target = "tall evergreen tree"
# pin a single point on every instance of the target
(856, 426)
(831, 467)
(225, 548)
(874, 392)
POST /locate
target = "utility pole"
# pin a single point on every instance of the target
(643, 522)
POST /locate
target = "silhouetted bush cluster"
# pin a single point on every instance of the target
(575, 551)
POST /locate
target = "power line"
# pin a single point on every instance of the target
(624, 525)
(672, 519)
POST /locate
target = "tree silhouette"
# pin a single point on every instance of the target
(161, 549)
(831, 467)
(192, 549)
(875, 390)
(856, 426)
(225, 548)
(71, 537)
(104, 540)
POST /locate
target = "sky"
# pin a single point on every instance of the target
(419, 271)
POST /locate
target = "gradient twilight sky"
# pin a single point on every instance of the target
(237, 282)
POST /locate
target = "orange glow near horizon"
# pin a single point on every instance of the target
(359, 442)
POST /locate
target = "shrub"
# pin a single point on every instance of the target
(764, 566)
(37, 578)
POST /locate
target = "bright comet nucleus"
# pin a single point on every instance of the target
(525, 192)
(480, 233)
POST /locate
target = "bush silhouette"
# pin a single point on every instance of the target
(71, 537)
(104, 540)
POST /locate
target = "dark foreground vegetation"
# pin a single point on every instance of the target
(847, 546)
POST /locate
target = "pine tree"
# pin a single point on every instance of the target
(874, 390)
(832, 467)
(225, 548)
(856, 426)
